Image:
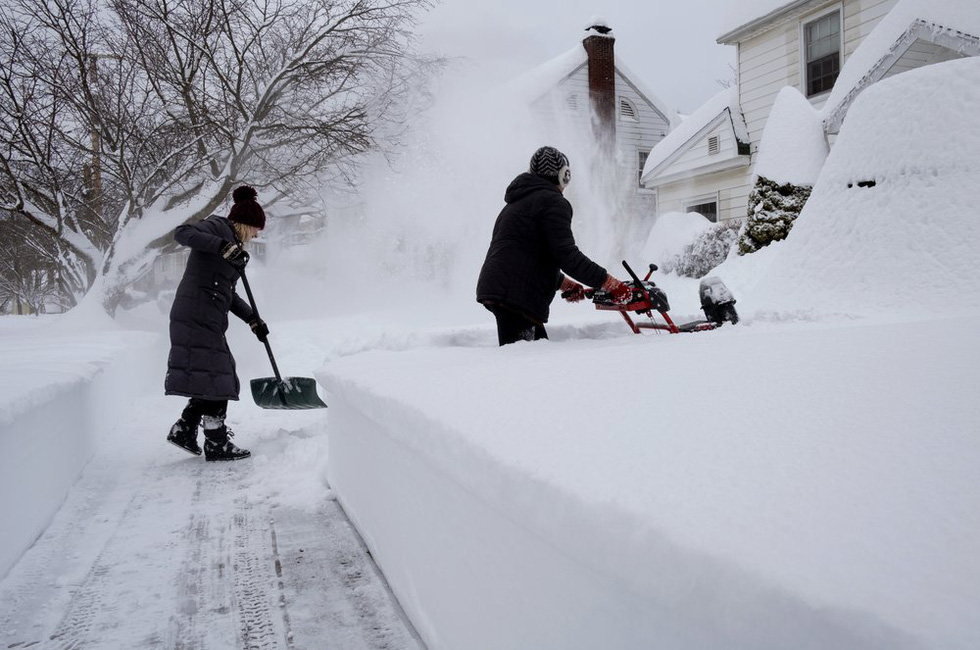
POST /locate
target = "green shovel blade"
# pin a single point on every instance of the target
(289, 393)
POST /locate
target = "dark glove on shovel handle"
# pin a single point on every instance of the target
(260, 329)
(235, 255)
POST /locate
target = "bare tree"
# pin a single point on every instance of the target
(731, 80)
(160, 107)
(42, 170)
(33, 274)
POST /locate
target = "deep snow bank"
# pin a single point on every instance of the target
(755, 487)
(891, 226)
(59, 390)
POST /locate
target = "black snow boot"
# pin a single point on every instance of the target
(217, 445)
(184, 436)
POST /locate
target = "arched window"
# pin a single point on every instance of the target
(627, 112)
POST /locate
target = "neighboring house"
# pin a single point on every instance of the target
(589, 91)
(829, 51)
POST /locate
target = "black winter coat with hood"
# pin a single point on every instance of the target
(200, 363)
(532, 245)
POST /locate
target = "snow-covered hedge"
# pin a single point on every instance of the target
(792, 152)
(707, 251)
(773, 207)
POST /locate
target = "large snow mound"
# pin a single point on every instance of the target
(793, 148)
(671, 233)
(891, 225)
(736, 481)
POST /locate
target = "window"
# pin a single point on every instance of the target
(642, 159)
(821, 44)
(627, 111)
(714, 146)
(571, 102)
(708, 210)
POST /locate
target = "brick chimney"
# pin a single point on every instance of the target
(598, 44)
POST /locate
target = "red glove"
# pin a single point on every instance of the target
(572, 291)
(620, 292)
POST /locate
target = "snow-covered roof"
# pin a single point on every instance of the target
(749, 17)
(722, 105)
(537, 82)
(662, 107)
(951, 24)
(540, 80)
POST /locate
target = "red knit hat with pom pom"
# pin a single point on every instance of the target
(246, 209)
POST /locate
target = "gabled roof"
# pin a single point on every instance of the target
(539, 81)
(928, 31)
(722, 109)
(669, 114)
(755, 16)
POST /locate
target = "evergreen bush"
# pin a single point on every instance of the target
(772, 210)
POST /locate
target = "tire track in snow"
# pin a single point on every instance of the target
(166, 552)
(254, 586)
(113, 586)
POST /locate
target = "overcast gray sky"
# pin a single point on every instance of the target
(669, 45)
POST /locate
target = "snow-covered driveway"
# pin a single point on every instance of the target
(155, 548)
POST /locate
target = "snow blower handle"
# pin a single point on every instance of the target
(636, 278)
(255, 312)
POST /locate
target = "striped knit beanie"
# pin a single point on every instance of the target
(551, 164)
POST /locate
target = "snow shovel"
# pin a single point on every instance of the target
(275, 392)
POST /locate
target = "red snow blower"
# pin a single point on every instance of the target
(717, 303)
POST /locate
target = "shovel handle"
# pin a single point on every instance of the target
(255, 310)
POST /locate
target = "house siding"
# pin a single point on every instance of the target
(767, 62)
(697, 156)
(631, 136)
(771, 60)
(728, 188)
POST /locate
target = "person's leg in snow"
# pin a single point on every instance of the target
(512, 326)
(184, 431)
(217, 445)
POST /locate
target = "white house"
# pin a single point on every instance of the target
(829, 50)
(588, 90)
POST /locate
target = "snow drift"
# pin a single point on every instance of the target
(764, 486)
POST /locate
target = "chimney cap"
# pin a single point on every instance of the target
(599, 27)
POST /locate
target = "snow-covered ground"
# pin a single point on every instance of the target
(807, 479)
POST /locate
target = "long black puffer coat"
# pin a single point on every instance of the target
(532, 245)
(200, 363)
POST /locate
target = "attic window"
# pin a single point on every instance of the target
(572, 103)
(627, 111)
(714, 146)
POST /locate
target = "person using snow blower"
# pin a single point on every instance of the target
(532, 253)
(200, 366)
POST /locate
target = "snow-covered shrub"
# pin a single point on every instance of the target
(773, 207)
(671, 233)
(707, 251)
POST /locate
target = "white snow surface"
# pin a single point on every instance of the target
(792, 148)
(671, 233)
(807, 478)
(906, 245)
